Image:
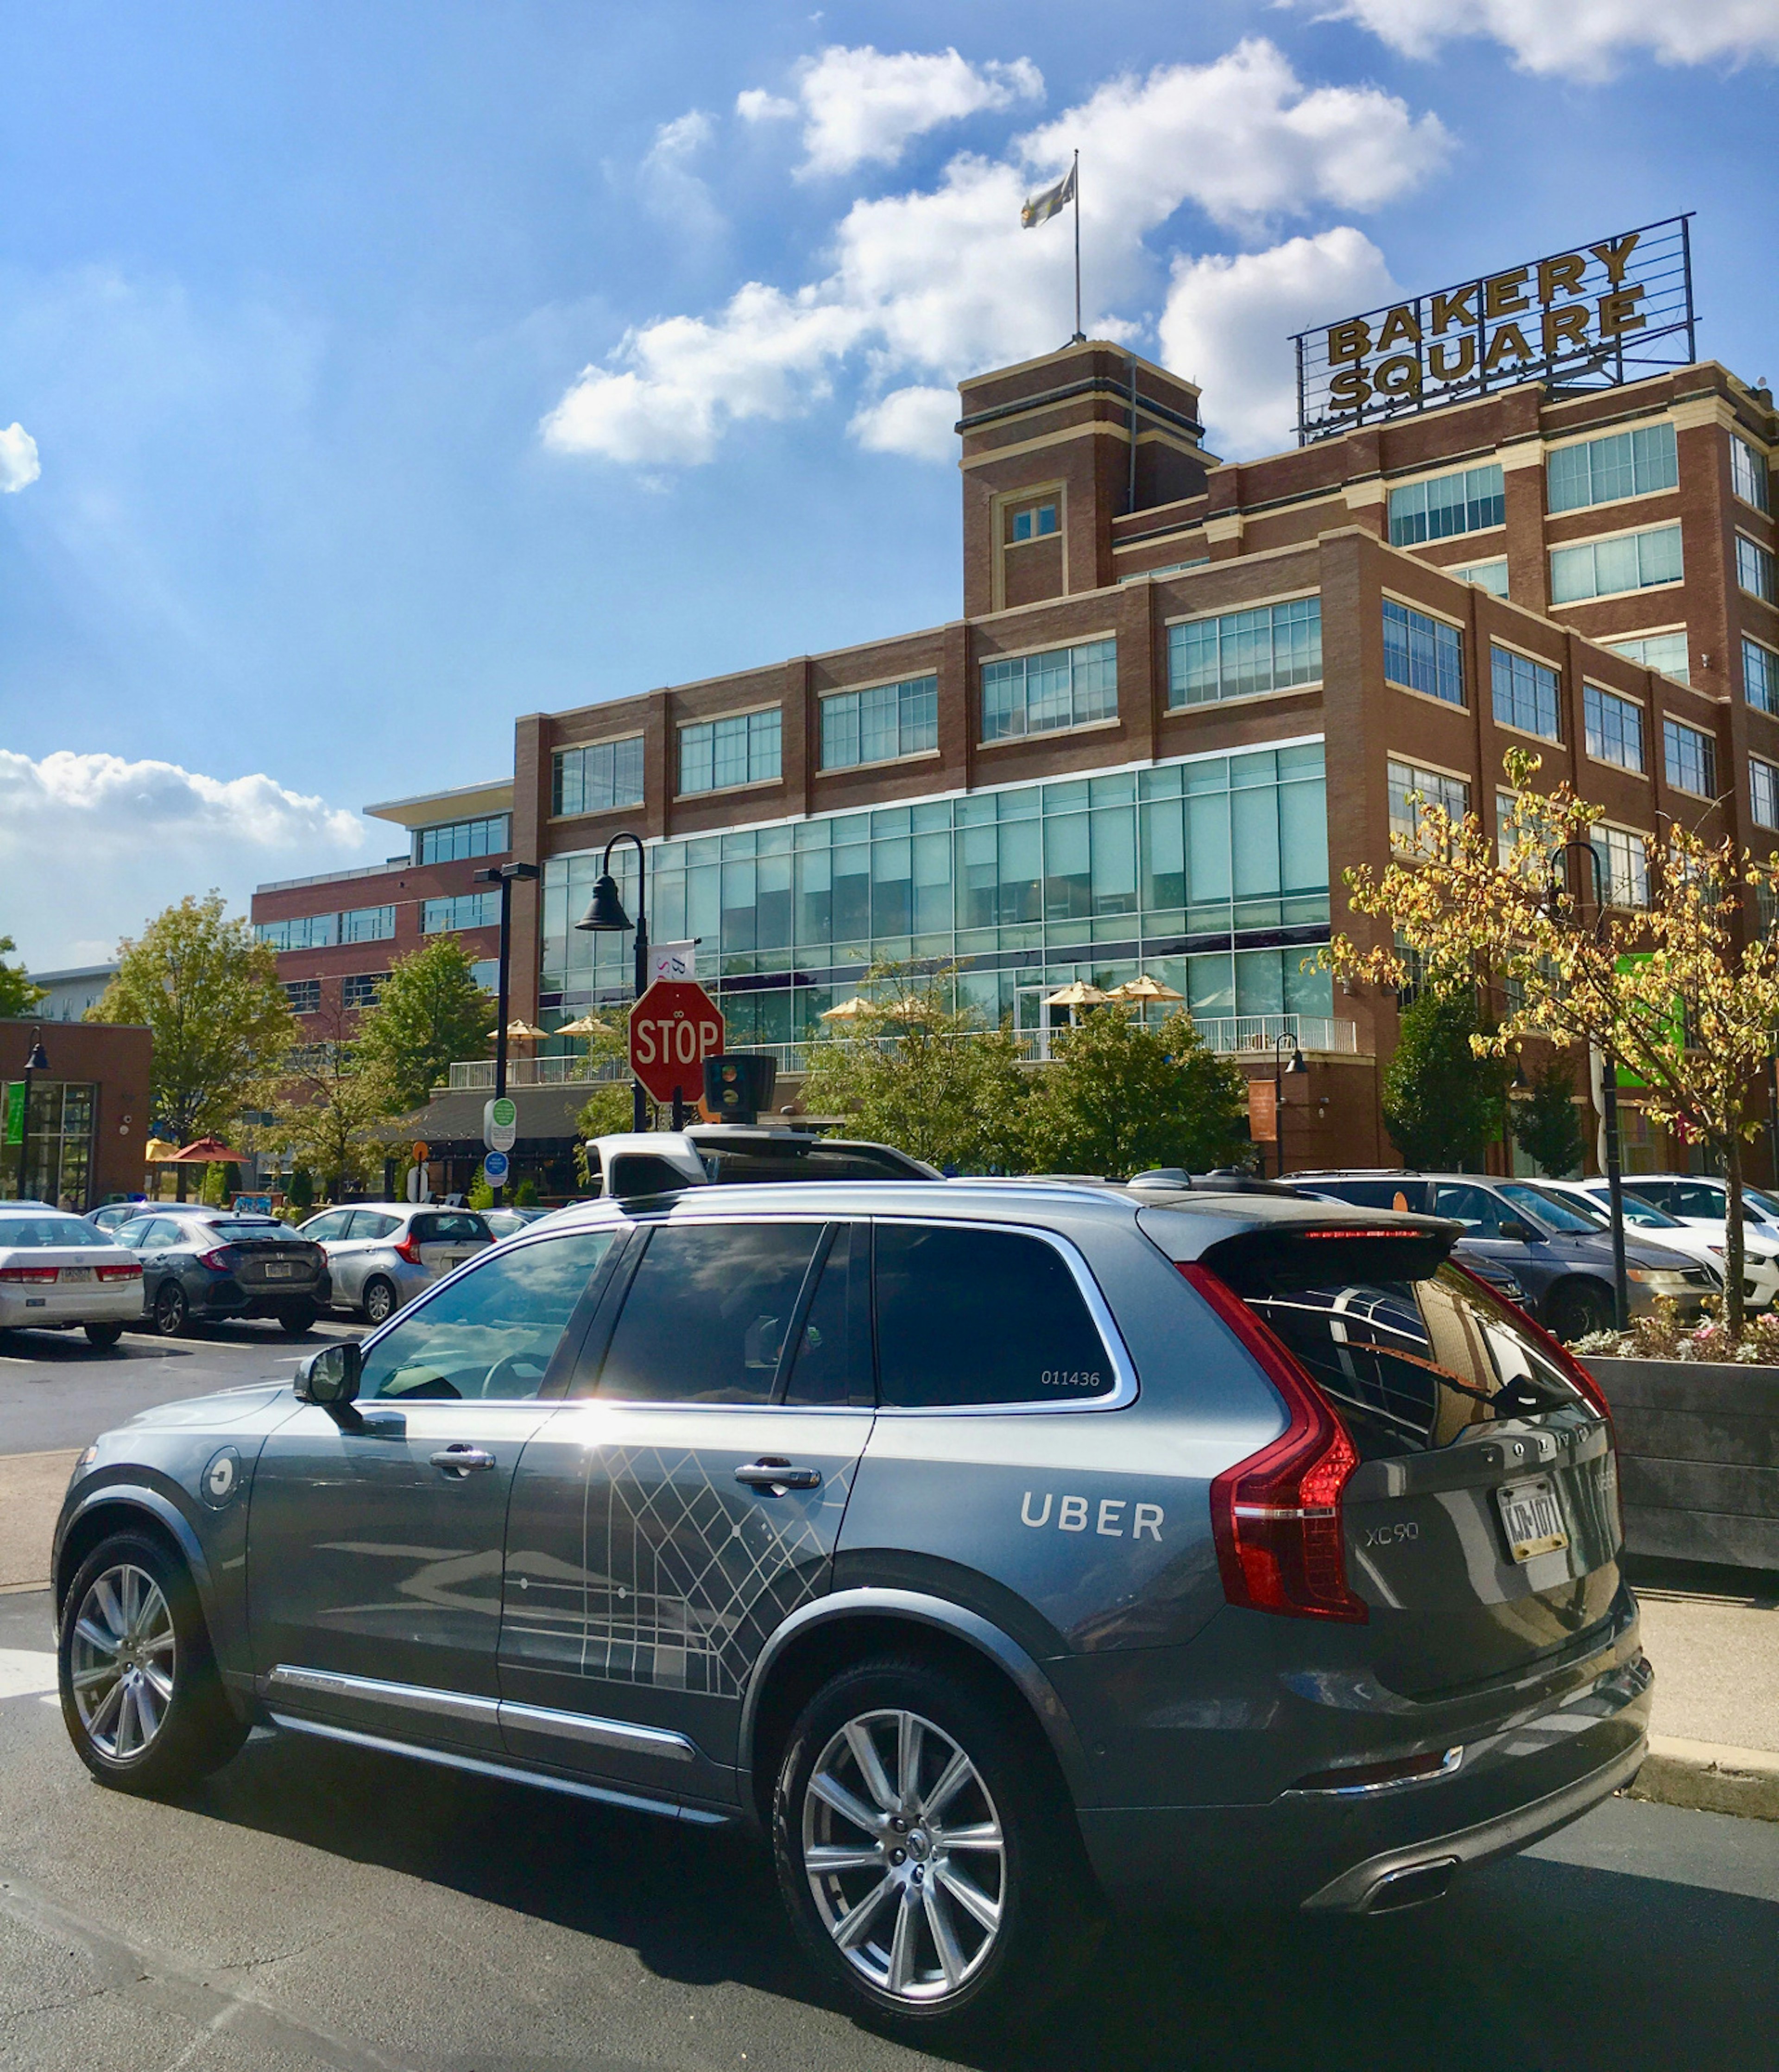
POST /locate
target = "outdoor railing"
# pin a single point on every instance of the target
(1230, 1034)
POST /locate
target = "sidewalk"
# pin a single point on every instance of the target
(1713, 1635)
(31, 1487)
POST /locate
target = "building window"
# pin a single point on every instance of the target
(1172, 568)
(305, 931)
(486, 974)
(1037, 693)
(1665, 651)
(1408, 786)
(361, 989)
(367, 924)
(58, 1140)
(1491, 576)
(1754, 569)
(1760, 677)
(1615, 727)
(1690, 758)
(1425, 654)
(1634, 463)
(718, 754)
(596, 778)
(880, 724)
(304, 995)
(1274, 647)
(1525, 693)
(451, 841)
(1604, 568)
(1748, 475)
(467, 910)
(1625, 865)
(1032, 521)
(1764, 791)
(1470, 501)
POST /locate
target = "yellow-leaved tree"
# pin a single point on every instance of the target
(1672, 975)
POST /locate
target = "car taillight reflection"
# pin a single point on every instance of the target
(1276, 1517)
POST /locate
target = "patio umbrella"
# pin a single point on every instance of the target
(158, 1150)
(207, 1151)
(1144, 988)
(911, 1007)
(1077, 994)
(849, 1010)
(522, 1031)
(589, 1024)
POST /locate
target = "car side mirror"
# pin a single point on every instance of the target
(330, 1377)
(1513, 1231)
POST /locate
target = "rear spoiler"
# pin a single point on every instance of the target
(1256, 1243)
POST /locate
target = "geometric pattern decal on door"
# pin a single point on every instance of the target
(695, 1576)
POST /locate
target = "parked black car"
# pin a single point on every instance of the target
(1558, 1254)
(199, 1263)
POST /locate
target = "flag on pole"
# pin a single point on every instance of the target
(1052, 202)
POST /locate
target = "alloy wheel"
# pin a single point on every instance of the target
(169, 1310)
(905, 1855)
(123, 1661)
(380, 1302)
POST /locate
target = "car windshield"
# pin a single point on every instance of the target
(50, 1229)
(1555, 1211)
(1636, 1212)
(1765, 1203)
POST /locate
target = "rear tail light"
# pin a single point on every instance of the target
(409, 1250)
(220, 1260)
(130, 1270)
(1276, 1516)
(32, 1274)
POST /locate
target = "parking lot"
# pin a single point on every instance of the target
(311, 1907)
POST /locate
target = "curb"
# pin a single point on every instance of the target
(1709, 1777)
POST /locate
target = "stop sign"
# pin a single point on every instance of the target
(673, 1028)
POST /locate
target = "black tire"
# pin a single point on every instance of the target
(379, 1302)
(1041, 1892)
(172, 1311)
(297, 1319)
(105, 1336)
(1578, 1307)
(162, 1721)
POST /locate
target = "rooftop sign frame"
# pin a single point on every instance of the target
(1594, 317)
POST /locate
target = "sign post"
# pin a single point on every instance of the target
(673, 1028)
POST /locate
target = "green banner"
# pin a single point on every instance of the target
(15, 1112)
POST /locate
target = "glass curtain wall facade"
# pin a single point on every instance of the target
(1211, 873)
(59, 1143)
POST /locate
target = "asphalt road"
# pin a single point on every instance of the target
(56, 1390)
(311, 1906)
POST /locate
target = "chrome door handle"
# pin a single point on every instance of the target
(461, 1461)
(776, 1477)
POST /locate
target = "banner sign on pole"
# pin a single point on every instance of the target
(678, 961)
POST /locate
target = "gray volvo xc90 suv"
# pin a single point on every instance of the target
(993, 1548)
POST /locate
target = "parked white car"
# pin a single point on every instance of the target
(58, 1273)
(1649, 1206)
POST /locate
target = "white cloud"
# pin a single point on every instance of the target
(754, 104)
(864, 106)
(92, 845)
(669, 185)
(1585, 37)
(938, 282)
(917, 421)
(19, 466)
(1228, 322)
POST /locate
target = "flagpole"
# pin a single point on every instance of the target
(1080, 336)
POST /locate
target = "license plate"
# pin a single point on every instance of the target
(1532, 1518)
(281, 1269)
(76, 1273)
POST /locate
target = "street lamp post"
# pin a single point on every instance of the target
(35, 1061)
(1608, 1074)
(506, 876)
(1280, 1071)
(606, 916)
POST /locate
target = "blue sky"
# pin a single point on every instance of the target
(381, 373)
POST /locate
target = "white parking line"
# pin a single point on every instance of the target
(26, 1671)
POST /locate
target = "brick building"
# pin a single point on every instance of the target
(1183, 695)
(87, 1130)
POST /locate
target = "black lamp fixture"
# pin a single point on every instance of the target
(1281, 1069)
(605, 916)
(36, 1060)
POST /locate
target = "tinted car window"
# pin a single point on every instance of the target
(254, 1230)
(33, 1231)
(972, 1316)
(1375, 1194)
(489, 1334)
(321, 1230)
(1475, 1207)
(456, 1227)
(373, 1223)
(706, 1313)
(1561, 1212)
(832, 1361)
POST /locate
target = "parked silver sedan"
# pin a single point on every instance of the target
(383, 1254)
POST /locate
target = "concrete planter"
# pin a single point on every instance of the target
(1698, 1458)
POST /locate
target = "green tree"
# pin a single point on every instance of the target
(1442, 1102)
(302, 1190)
(1123, 1095)
(221, 1023)
(609, 1109)
(1546, 1125)
(918, 1070)
(335, 1113)
(17, 995)
(430, 1014)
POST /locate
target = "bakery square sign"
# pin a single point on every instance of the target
(1614, 310)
